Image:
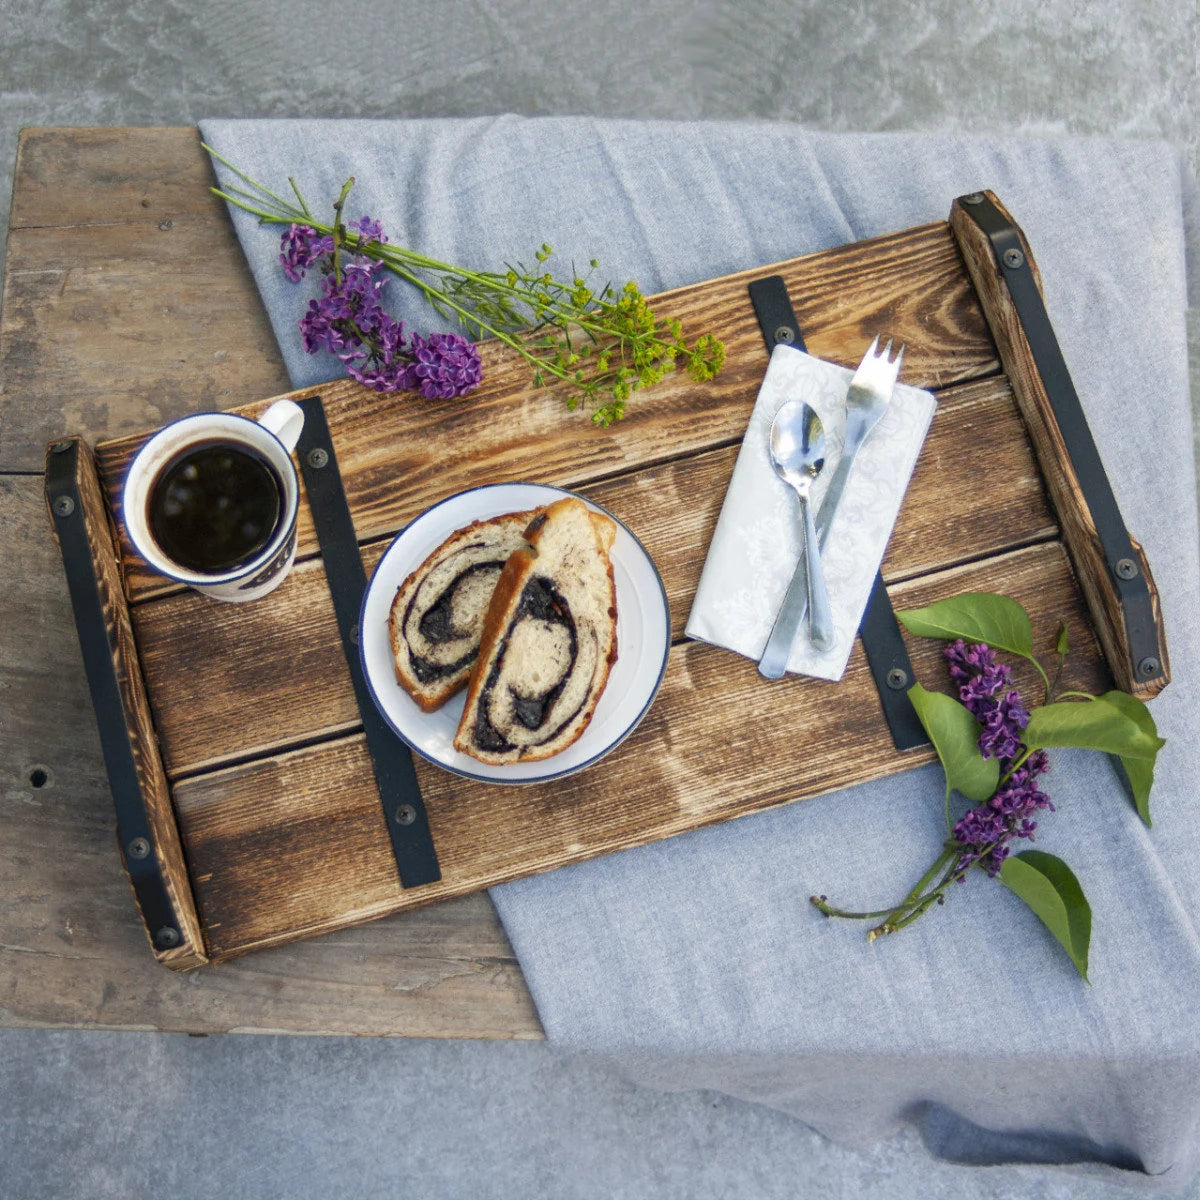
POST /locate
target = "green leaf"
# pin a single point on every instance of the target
(1090, 725)
(1139, 772)
(975, 617)
(955, 736)
(1050, 888)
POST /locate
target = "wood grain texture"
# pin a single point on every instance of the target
(1062, 481)
(133, 305)
(103, 176)
(155, 796)
(398, 455)
(230, 681)
(275, 858)
(72, 947)
(72, 951)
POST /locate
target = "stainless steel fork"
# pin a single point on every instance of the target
(866, 401)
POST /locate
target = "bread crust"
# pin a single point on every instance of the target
(516, 574)
(431, 699)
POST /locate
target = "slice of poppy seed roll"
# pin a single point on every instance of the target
(437, 616)
(549, 641)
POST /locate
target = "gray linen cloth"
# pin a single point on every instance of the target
(697, 961)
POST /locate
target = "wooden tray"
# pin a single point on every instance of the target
(260, 804)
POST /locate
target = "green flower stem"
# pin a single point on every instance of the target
(1018, 762)
(296, 190)
(913, 898)
(915, 905)
(1042, 673)
(943, 860)
(338, 231)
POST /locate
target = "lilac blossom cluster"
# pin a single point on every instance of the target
(348, 319)
(985, 688)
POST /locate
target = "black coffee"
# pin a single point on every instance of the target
(215, 506)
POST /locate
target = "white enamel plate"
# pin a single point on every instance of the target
(643, 640)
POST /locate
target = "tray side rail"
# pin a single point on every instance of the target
(1111, 567)
(147, 831)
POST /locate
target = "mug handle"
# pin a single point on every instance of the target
(285, 420)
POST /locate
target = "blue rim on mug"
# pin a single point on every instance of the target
(279, 540)
(459, 771)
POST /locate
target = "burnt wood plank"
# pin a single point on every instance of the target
(294, 845)
(101, 608)
(227, 681)
(1060, 472)
(399, 454)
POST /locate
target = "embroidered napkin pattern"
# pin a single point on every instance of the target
(758, 538)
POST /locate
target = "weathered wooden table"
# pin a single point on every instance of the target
(126, 303)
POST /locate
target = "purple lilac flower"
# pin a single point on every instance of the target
(984, 833)
(300, 248)
(348, 319)
(444, 365)
(371, 231)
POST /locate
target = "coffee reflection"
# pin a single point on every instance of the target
(215, 506)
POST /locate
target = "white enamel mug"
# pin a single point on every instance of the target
(273, 436)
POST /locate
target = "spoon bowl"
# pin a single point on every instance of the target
(798, 444)
(798, 456)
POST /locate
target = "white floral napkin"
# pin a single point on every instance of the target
(758, 538)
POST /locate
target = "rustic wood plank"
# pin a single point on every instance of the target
(89, 514)
(228, 681)
(111, 327)
(399, 454)
(1062, 479)
(103, 175)
(273, 861)
(73, 953)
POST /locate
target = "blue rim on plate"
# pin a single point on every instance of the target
(551, 493)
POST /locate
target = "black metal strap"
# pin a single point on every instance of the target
(1119, 557)
(97, 642)
(884, 647)
(403, 808)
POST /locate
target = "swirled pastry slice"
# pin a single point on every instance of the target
(549, 640)
(437, 616)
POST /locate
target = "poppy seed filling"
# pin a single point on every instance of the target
(523, 696)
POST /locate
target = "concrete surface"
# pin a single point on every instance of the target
(131, 1115)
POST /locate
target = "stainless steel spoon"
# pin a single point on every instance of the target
(798, 455)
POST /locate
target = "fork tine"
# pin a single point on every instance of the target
(886, 350)
(899, 359)
(870, 354)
